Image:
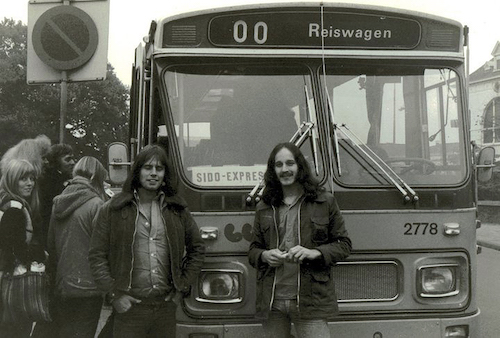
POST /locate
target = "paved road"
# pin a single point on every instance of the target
(488, 278)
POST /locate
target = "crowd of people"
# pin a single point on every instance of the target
(141, 250)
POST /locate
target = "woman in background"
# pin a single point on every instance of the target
(18, 247)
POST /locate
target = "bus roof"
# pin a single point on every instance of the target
(298, 26)
(337, 5)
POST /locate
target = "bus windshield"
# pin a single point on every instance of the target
(407, 119)
(229, 117)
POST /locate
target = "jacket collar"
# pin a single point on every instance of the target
(321, 198)
(122, 199)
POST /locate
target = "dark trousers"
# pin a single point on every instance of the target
(16, 330)
(78, 317)
(151, 320)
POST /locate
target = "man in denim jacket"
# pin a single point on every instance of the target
(298, 236)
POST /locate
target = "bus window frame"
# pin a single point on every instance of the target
(452, 65)
(163, 64)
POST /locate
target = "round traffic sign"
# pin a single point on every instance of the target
(65, 37)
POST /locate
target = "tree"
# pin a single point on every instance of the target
(97, 111)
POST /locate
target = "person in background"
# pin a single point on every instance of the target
(33, 150)
(298, 235)
(19, 249)
(79, 302)
(57, 171)
(146, 249)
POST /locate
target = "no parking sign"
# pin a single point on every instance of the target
(69, 36)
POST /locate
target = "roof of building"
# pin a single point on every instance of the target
(490, 69)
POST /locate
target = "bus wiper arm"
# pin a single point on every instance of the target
(409, 195)
(335, 136)
(313, 133)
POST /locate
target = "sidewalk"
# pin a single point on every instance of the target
(488, 236)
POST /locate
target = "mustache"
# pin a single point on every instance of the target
(286, 174)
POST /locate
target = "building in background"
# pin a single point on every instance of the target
(484, 102)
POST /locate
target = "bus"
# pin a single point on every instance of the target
(376, 98)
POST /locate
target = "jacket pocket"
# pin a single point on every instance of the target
(72, 286)
(322, 289)
(321, 276)
(320, 229)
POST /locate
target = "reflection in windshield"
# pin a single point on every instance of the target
(409, 117)
(228, 118)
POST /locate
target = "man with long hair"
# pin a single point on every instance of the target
(146, 249)
(298, 236)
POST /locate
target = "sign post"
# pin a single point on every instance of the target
(64, 105)
(67, 42)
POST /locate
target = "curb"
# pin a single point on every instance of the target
(488, 236)
(489, 245)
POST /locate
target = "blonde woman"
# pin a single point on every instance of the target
(78, 303)
(18, 247)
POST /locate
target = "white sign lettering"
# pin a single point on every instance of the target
(315, 31)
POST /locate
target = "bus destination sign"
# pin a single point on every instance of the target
(294, 29)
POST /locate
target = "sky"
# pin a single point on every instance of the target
(130, 19)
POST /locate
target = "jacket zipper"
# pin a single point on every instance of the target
(277, 246)
(132, 246)
(169, 249)
(299, 242)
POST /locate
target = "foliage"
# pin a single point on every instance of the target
(490, 190)
(97, 112)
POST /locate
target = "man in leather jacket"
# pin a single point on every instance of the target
(298, 236)
(146, 249)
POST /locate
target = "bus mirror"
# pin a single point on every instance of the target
(118, 162)
(485, 164)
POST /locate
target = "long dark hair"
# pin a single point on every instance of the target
(273, 193)
(170, 181)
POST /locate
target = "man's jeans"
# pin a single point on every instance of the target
(146, 320)
(284, 313)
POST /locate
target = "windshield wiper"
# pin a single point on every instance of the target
(311, 114)
(409, 195)
(335, 136)
(306, 130)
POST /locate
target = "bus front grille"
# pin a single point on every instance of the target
(373, 281)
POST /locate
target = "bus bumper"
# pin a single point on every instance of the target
(408, 328)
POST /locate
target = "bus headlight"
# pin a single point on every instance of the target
(438, 280)
(219, 286)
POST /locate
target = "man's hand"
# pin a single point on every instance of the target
(124, 302)
(274, 257)
(299, 253)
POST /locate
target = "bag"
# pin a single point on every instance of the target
(25, 297)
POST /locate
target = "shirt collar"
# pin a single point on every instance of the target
(160, 196)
